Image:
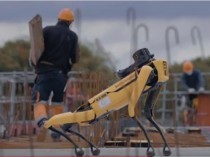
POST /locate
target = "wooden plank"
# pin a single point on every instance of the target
(129, 134)
(194, 130)
(139, 143)
(36, 38)
(203, 110)
(115, 143)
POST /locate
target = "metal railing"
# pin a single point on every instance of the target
(15, 99)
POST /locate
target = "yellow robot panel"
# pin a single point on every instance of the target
(114, 97)
(69, 117)
(163, 71)
(120, 94)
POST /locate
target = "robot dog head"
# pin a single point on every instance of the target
(142, 57)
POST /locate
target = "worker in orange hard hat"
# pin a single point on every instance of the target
(192, 79)
(188, 67)
(193, 83)
(66, 15)
(61, 52)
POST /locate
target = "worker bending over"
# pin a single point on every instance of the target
(192, 82)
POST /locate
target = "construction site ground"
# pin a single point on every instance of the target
(194, 139)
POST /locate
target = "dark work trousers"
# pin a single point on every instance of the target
(46, 83)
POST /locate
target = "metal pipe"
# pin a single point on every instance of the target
(193, 30)
(12, 99)
(136, 34)
(163, 113)
(131, 20)
(78, 21)
(174, 29)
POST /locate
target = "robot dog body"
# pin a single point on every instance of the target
(138, 79)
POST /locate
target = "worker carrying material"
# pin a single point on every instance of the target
(146, 76)
(61, 52)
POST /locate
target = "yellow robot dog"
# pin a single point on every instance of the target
(145, 76)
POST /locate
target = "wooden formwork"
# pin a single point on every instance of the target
(36, 38)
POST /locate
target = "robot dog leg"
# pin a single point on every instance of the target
(144, 76)
(70, 118)
(150, 102)
(78, 150)
(150, 149)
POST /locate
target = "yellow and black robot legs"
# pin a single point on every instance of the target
(94, 149)
(78, 149)
(148, 110)
(150, 149)
(66, 120)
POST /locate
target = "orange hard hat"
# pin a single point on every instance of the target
(66, 14)
(188, 66)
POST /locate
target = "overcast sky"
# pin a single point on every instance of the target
(106, 21)
(21, 11)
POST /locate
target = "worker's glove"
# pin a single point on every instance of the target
(41, 122)
(201, 89)
(191, 90)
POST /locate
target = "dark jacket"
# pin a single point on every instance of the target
(195, 80)
(61, 49)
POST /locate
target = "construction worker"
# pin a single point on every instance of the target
(192, 82)
(60, 53)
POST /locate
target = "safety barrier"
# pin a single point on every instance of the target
(16, 116)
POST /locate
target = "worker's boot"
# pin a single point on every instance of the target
(54, 110)
(40, 116)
